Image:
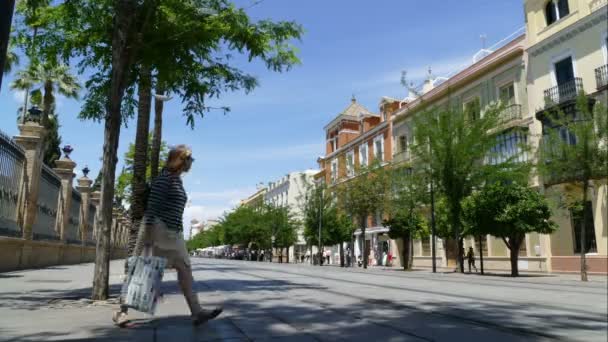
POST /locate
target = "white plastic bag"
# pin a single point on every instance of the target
(141, 288)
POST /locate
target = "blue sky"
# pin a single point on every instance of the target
(349, 47)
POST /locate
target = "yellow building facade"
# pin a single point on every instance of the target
(567, 53)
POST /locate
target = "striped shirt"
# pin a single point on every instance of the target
(166, 201)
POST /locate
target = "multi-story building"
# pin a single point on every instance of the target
(256, 200)
(357, 137)
(498, 76)
(568, 53)
(290, 191)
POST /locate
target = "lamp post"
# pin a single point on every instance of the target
(320, 221)
(433, 251)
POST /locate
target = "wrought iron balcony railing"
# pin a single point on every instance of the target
(601, 76)
(511, 112)
(563, 92)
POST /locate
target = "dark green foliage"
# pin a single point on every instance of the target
(508, 211)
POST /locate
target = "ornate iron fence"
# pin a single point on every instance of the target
(511, 112)
(12, 163)
(45, 227)
(564, 92)
(73, 233)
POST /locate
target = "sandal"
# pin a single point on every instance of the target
(206, 315)
(120, 318)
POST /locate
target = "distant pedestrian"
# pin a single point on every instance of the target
(162, 229)
(471, 259)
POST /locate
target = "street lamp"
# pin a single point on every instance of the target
(320, 220)
(433, 251)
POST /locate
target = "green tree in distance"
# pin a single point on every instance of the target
(454, 143)
(508, 211)
(574, 153)
(320, 208)
(407, 198)
(363, 195)
(283, 227)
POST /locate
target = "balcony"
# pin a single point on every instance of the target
(601, 77)
(565, 92)
(511, 112)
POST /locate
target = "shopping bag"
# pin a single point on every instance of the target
(141, 288)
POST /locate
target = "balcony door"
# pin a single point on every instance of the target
(564, 77)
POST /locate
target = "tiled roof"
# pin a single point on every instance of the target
(354, 111)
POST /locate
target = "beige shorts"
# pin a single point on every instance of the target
(167, 243)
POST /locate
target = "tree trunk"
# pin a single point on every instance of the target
(584, 232)
(287, 256)
(406, 253)
(7, 8)
(352, 251)
(341, 254)
(121, 39)
(140, 159)
(363, 224)
(461, 255)
(47, 103)
(513, 244)
(411, 252)
(514, 253)
(455, 209)
(157, 137)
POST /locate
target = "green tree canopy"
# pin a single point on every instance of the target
(454, 144)
(508, 211)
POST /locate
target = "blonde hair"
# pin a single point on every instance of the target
(176, 160)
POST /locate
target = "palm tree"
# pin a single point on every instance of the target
(50, 78)
(159, 102)
(12, 59)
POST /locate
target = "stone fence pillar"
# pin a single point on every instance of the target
(65, 169)
(114, 227)
(31, 137)
(84, 187)
(95, 198)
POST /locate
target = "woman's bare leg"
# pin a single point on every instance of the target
(186, 281)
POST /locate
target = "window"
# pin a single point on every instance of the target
(507, 94)
(577, 220)
(334, 170)
(555, 10)
(402, 143)
(510, 146)
(472, 109)
(363, 154)
(350, 163)
(379, 148)
(564, 71)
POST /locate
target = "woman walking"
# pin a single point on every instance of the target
(162, 230)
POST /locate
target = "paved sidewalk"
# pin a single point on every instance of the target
(306, 303)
